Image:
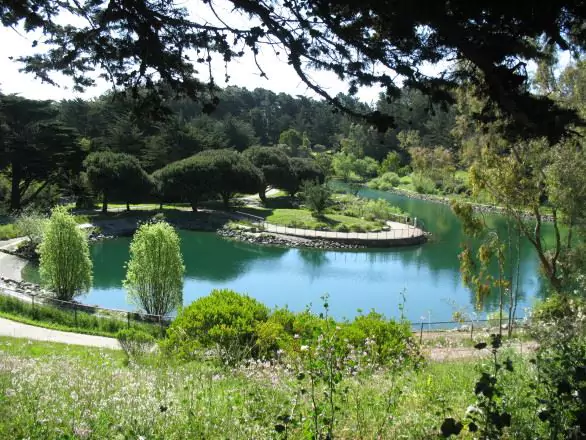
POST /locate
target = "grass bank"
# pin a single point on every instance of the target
(48, 316)
(55, 391)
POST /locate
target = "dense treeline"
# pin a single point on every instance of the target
(45, 144)
(100, 151)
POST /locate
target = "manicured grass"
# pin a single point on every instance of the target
(55, 391)
(303, 218)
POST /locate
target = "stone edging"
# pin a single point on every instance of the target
(272, 239)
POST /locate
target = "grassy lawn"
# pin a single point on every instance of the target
(302, 218)
(82, 392)
(56, 391)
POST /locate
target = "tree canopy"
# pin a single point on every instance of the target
(117, 176)
(35, 148)
(157, 48)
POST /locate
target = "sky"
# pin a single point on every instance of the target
(244, 73)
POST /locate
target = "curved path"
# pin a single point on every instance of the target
(18, 330)
(397, 231)
(10, 265)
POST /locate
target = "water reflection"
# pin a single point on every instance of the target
(360, 279)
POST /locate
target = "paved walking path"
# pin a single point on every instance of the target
(398, 231)
(19, 330)
(11, 266)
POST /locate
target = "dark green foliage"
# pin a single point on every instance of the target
(560, 327)
(117, 176)
(232, 173)
(223, 320)
(488, 418)
(304, 169)
(275, 166)
(189, 180)
(36, 149)
(316, 196)
(334, 36)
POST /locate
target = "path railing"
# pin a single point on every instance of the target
(38, 300)
(407, 231)
(465, 327)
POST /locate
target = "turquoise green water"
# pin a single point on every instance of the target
(367, 279)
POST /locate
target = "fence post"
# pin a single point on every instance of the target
(128, 319)
(34, 312)
(421, 334)
(161, 325)
(75, 313)
(471, 329)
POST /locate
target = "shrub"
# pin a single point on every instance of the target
(380, 209)
(32, 225)
(357, 228)
(135, 343)
(404, 171)
(317, 197)
(386, 340)
(65, 265)
(154, 277)
(385, 182)
(223, 320)
(423, 184)
(342, 228)
(8, 231)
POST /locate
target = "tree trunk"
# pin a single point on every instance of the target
(15, 188)
(226, 199)
(104, 203)
(262, 193)
(193, 205)
(128, 206)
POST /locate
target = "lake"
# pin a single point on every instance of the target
(427, 275)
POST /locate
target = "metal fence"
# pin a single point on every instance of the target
(464, 327)
(409, 231)
(130, 317)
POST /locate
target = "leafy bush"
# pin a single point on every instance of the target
(357, 228)
(342, 228)
(386, 340)
(380, 209)
(135, 343)
(223, 320)
(65, 265)
(154, 276)
(385, 182)
(317, 197)
(32, 225)
(390, 163)
(404, 171)
(423, 184)
(8, 231)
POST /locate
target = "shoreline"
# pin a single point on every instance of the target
(443, 200)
